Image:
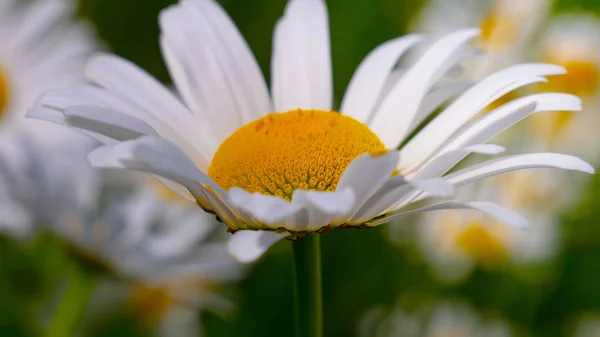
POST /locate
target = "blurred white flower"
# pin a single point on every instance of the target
(306, 169)
(571, 41)
(507, 28)
(445, 319)
(588, 325)
(41, 47)
(454, 242)
(168, 256)
(165, 253)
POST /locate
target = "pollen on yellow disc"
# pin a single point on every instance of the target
(4, 91)
(481, 244)
(150, 304)
(298, 149)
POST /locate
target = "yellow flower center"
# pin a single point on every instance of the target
(497, 31)
(150, 303)
(582, 79)
(482, 245)
(298, 149)
(3, 91)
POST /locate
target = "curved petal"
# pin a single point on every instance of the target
(301, 63)
(248, 246)
(367, 174)
(212, 65)
(324, 208)
(438, 131)
(518, 162)
(370, 78)
(498, 212)
(269, 210)
(115, 125)
(394, 117)
(495, 122)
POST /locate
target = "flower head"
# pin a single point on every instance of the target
(43, 47)
(287, 163)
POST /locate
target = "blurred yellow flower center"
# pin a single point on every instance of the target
(150, 303)
(582, 79)
(298, 149)
(3, 91)
(497, 31)
(481, 244)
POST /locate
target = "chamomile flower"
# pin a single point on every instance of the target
(285, 163)
(454, 242)
(570, 41)
(445, 319)
(166, 254)
(168, 258)
(507, 28)
(42, 47)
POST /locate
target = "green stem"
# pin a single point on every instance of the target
(73, 304)
(307, 274)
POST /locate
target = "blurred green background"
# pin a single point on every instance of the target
(361, 269)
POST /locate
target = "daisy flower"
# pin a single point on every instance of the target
(284, 163)
(166, 253)
(166, 256)
(570, 42)
(507, 28)
(455, 242)
(42, 48)
(444, 319)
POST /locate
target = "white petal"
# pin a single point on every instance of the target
(386, 196)
(268, 209)
(301, 61)
(436, 97)
(323, 208)
(398, 191)
(211, 39)
(47, 114)
(105, 157)
(366, 174)
(438, 131)
(485, 149)
(510, 113)
(500, 213)
(248, 246)
(112, 124)
(437, 166)
(434, 187)
(494, 123)
(160, 157)
(369, 79)
(145, 98)
(394, 117)
(518, 162)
